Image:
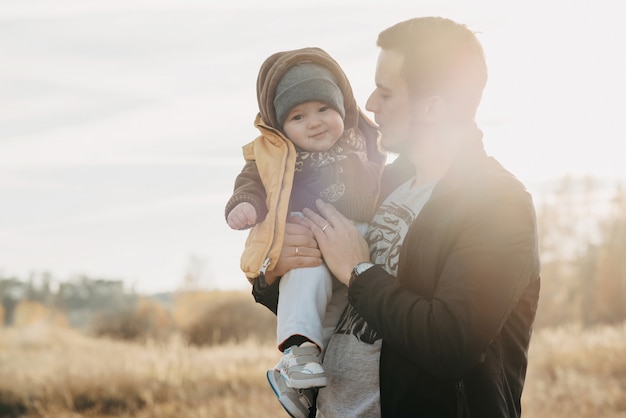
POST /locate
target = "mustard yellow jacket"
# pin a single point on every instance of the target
(275, 158)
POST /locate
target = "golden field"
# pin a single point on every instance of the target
(52, 371)
(56, 372)
(204, 354)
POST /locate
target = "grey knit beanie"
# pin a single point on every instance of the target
(304, 83)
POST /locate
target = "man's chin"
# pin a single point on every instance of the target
(391, 146)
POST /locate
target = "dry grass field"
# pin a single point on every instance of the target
(577, 373)
(54, 371)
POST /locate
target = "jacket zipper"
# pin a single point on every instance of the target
(462, 408)
(264, 266)
(267, 260)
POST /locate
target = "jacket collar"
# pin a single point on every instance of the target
(467, 161)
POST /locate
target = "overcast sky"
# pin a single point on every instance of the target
(121, 122)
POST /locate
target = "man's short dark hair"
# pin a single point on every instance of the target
(440, 56)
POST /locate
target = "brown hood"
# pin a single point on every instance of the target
(275, 67)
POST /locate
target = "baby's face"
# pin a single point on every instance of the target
(313, 126)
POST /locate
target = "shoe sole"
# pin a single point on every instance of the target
(288, 405)
(306, 382)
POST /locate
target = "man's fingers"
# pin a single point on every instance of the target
(300, 239)
(298, 226)
(297, 220)
(316, 220)
(331, 214)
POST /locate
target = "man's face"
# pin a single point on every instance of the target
(390, 102)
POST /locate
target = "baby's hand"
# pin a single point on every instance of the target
(242, 216)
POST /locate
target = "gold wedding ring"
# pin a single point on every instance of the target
(325, 226)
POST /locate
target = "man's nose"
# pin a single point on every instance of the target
(371, 103)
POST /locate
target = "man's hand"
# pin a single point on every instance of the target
(299, 249)
(339, 240)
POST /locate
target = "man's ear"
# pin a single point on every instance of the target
(434, 108)
(426, 109)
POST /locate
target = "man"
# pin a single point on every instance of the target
(443, 294)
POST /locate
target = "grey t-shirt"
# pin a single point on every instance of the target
(351, 360)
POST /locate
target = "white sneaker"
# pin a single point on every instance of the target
(297, 402)
(301, 368)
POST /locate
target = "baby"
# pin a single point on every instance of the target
(314, 144)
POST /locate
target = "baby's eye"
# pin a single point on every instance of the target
(324, 108)
(296, 117)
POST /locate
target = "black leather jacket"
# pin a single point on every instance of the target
(456, 324)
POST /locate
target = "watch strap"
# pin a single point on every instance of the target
(358, 270)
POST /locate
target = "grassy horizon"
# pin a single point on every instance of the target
(48, 371)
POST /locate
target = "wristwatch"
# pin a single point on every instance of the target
(358, 270)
